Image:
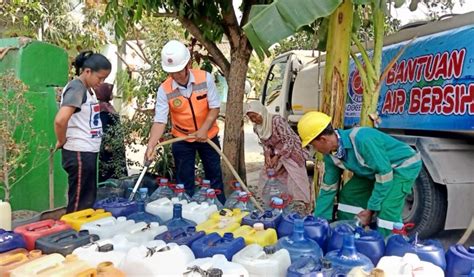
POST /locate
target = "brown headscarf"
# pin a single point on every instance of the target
(104, 95)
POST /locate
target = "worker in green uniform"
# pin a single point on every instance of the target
(384, 170)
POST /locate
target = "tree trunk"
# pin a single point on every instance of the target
(337, 63)
(233, 134)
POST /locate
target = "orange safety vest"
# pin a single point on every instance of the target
(188, 114)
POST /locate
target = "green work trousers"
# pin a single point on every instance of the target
(356, 193)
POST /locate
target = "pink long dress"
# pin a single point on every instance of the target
(291, 167)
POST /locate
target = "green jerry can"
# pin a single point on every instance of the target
(43, 68)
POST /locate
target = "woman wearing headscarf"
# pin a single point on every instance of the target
(112, 160)
(283, 152)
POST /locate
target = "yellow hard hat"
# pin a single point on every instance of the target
(311, 125)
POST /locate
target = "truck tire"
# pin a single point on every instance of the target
(426, 206)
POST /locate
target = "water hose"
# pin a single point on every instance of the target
(226, 160)
(467, 233)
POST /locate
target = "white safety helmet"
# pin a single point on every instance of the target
(174, 56)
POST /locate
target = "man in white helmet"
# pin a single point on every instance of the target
(190, 97)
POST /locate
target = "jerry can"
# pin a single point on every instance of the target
(429, 250)
(310, 266)
(76, 219)
(216, 262)
(71, 266)
(409, 265)
(213, 244)
(157, 258)
(267, 218)
(177, 221)
(14, 251)
(235, 215)
(142, 232)
(368, 242)
(111, 250)
(107, 227)
(263, 261)
(145, 217)
(107, 269)
(37, 266)
(163, 207)
(10, 240)
(299, 244)
(64, 242)
(15, 259)
(459, 260)
(221, 225)
(347, 257)
(33, 231)
(316, 228)
(198, 212)
(118, 206)
(256, 234)
(181, 236)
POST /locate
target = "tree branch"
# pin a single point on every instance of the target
(246, 12)
(231, 27)
(211, 47)
(166, 14)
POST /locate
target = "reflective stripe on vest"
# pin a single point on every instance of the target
(386, 224)
(189, 114)
(388, 176)
(349, 208)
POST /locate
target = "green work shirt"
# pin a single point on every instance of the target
(371, 154)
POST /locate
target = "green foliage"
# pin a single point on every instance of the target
(16, 133)
(302, 40)
(56, 21)
(257, 73)
(207, 15)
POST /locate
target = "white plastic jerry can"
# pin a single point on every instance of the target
(156, 258)
(5, 216)
(36, 266)
(142, 232)
(198, 212)
(163, 207)
(106, 250)
(263, 262)
(408, 266)
(219, 261)
(107, 227)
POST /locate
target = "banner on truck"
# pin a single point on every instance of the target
(430, 87)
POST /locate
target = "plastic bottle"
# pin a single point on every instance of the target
(180, 193)
(211, 198)
(278, 207)
(243, 202)
(233, 197)
(298, 244)
(5, 216)
(142, 199)
(346, 258)
(273, 187)
(162, 191)
(178, 221)
(201, 195)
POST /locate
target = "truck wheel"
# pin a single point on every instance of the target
(426, 206)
